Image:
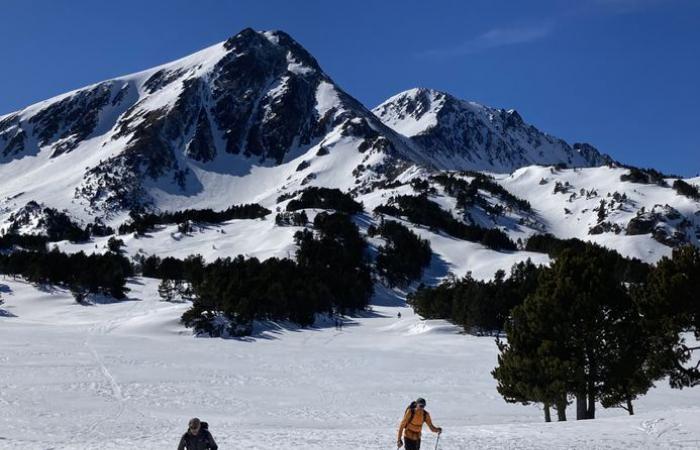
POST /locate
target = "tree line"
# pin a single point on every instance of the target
(419, 209)
(24, 241)
(295, 218)
(57, 225)
(644, 176)
(480, 307)
(467, 192)
(324, 198)
(689, 190)
(625, 269)
(331, 274)
(95, 273)
(141, 222)
(593, 328)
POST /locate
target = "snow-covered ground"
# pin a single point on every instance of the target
(128, 375)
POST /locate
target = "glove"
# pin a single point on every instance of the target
(399, 443)
(439, 430)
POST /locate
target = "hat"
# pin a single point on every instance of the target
(195, 422)
(420, 401)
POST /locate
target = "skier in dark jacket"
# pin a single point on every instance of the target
(197, 438)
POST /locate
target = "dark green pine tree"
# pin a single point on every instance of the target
(670, 307)
(530, 367)
(630, 371)
(115, 245)
(404, 256)
(581, 320)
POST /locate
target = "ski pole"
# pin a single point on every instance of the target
(437, 441)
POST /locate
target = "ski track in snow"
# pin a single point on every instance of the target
(128, 375)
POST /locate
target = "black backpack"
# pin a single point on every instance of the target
(413, 407)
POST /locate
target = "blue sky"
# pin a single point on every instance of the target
(623, 75)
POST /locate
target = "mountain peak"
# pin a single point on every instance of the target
(257, 99)
(278, 41)
(425, 97)
(413, 111)
(457, 134)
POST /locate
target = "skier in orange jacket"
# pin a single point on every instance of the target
(412, 425)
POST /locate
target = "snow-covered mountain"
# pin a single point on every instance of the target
(456, 134)
(256, 100)
(187, 132)
(255, 119)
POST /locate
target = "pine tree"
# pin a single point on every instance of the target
(79, 294)
(670, 307)
(166, 290)
(300, 219)
(115, 245)
(404, 256)
(531, 370)
(601, 211)
(575, 331)
(630, 369)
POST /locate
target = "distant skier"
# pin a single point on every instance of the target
(197, 437)
(412, 425)
(398, 315)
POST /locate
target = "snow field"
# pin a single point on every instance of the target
(127, 374)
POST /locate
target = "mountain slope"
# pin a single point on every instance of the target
(456, 134)
(257, 100)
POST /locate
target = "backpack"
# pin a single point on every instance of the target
(413, 407)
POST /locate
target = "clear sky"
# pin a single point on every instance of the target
(623, 75)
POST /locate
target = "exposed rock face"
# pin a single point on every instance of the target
(264, 94)
(66, 123)
(37, 219)
(202, 147)
(12, 136)
(605, 227)
(642, 224)
(456, 134)
(591, 154)
(670, 238)
(61, 125)
(665, 224)
(27, 216)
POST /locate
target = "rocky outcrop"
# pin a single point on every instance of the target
(663, 222)
(38, 219)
